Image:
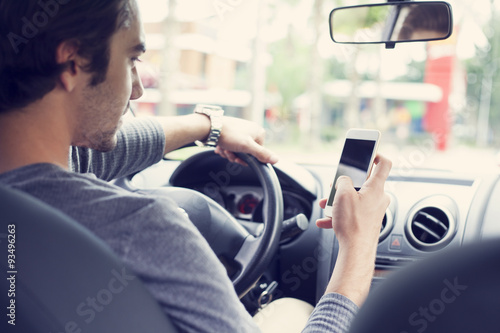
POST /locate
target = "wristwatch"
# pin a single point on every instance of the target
(215, 114)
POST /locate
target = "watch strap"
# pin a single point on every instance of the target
(215, 114)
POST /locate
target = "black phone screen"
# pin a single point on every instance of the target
(354, 162)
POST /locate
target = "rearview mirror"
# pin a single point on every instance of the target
(391, 23)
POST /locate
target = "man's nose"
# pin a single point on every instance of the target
(137, 87)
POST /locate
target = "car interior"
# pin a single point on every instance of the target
(437, 267)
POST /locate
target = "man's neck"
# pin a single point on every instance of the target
(32, 136)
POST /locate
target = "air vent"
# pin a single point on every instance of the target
(387, 225)
(432, 224)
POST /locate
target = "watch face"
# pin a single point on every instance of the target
(214, 112)
(209, 110)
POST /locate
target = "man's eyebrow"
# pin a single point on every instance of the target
(141, 47)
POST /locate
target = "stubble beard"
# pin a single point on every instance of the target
(99, 126)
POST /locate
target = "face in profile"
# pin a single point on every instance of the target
(101, 107)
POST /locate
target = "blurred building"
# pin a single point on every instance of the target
(201, 60)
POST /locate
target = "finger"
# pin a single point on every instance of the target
(322, 202)
(217, 149)
(240, 161)
(230, 155)
(380, 172)
(324, 223)
(344, 183)
(261, 153)
(226, 154)
(221, 152)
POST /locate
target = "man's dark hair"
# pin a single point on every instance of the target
(31, 31)
(425, 17)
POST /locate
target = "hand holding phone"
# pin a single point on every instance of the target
(356, 160)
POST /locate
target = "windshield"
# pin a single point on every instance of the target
(273, 61)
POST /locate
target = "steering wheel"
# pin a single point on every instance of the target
(244, 255)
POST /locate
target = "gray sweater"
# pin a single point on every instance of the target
(153, 237)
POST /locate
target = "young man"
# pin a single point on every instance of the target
(67, 74)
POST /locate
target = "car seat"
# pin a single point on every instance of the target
(457, 290)
(61, 278)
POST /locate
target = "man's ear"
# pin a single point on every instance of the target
(67, 53)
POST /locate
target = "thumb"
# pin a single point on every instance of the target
(344, 183)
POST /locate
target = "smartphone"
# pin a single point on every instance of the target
(356, 160)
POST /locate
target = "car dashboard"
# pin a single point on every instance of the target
(430, 211)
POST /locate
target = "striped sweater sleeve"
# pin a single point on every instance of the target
(333, 314)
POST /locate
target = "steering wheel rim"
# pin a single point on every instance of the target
(255, 253)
